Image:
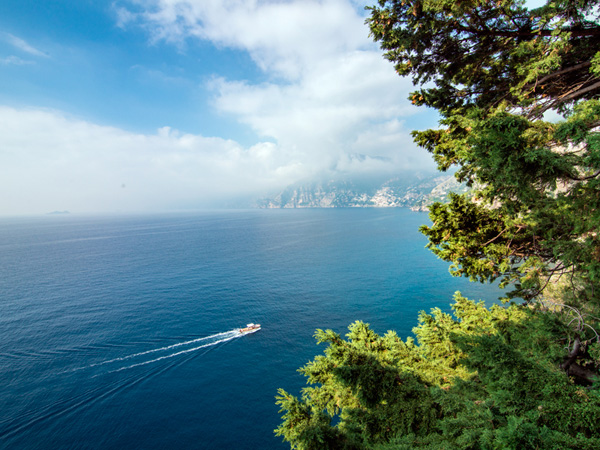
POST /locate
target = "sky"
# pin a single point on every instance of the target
(133, 106)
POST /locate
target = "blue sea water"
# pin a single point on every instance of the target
(119, 332)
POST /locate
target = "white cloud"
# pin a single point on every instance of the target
(335, 97)
(330, 113)
(328, 87)
(283, 38)
(22, 45)
(14, 61)
(51, 162)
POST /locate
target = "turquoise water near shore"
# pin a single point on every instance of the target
(119, 332)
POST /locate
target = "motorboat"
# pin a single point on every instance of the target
(250, 328)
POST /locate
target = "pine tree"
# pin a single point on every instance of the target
(518, 93)
(480, 378)
(494, 70)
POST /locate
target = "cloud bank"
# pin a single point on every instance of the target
(327, 103)
(327, 87)
(52, 162)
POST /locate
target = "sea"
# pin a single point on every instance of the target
(121, 332)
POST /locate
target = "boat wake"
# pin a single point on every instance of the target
(213, 340)
(91, 390)
(166, 352)
(161, 353)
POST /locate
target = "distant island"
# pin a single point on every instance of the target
(58, 213)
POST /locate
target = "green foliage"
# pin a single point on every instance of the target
(492, 69)
(520, 377)
(482, 378)
(481, 53)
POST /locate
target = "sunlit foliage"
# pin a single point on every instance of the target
(518, 94)
(481, 378)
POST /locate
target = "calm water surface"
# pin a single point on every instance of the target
(119, 333)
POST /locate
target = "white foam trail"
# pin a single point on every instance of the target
(236, 335)
(168, 347)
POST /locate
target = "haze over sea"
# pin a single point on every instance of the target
(119, 332)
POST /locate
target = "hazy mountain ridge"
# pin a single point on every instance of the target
(416, 192)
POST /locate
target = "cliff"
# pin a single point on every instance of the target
(417, 193)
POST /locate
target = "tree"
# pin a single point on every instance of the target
(518, 93)
(483, 379)
(494, 70)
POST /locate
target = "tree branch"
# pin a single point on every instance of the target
(573, 93)
(584, 178)
(579, 92)
(493, 239)
(563, 71)
(535, 33)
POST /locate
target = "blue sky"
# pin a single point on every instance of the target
(157, 105)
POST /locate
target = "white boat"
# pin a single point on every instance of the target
(250, 328)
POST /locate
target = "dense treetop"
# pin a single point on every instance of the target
(493, 53)
(501, 77)
(518, 93)
(483, 379)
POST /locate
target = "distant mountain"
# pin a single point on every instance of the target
(415, 192)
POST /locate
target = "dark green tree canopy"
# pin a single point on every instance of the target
(481, 379)
(488, 53)
(518, 93)
(494, 70)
